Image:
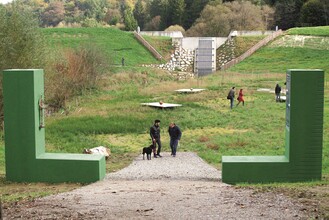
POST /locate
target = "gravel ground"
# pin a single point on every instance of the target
(184, 187)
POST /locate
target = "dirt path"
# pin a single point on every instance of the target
(184, 187)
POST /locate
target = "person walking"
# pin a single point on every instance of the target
(122, 61)
(175, 135)
(231, 96)
(155, 136)
(240, 98)
(277, 93)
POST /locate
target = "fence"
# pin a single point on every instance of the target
(251, 50)
(148, 46)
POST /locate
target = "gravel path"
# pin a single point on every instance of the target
(184, 187)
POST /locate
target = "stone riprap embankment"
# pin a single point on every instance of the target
(180, 65)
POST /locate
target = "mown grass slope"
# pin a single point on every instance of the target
(114, 43)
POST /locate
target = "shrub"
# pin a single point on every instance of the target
(76, 71)
(176, 28)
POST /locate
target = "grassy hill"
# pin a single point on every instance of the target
(113, 115)
(114, 43)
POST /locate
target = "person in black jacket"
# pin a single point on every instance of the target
(175, 135)
(231, 96)
(155, 136)
(277, 93)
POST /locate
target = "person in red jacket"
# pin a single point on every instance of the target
(240, 98)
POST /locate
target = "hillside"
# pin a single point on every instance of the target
(288, 52)
(114, 43)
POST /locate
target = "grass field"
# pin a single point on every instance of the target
(114, 43)
(113, 115)
(312, 31)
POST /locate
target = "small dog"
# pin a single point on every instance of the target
(148, 152)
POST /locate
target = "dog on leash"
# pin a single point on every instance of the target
(148, 152)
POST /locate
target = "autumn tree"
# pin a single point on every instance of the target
(113, 16)
(153, 24)
(219, 19)
(72, 12)
(213, 22)
(53, 14)
(268, 16)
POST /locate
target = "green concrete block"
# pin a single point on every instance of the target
(26, 159)
(304, 136)
(85, 167)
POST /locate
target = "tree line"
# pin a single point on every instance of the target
(194, 16)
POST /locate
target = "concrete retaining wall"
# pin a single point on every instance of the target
(191, 43)
(250, 33)
(172, 34)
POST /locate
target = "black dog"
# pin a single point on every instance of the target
(148, 152)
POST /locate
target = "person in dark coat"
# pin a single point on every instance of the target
(277, 93)
(231, 96)
(155, 136)
(175, 135)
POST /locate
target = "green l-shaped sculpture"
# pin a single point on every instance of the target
(26, 159)
(304, 138)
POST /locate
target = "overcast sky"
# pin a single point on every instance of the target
(5, 1)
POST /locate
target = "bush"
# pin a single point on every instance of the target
(176, 28)
(76, 71)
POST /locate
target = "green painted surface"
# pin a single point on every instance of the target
(26, 159)
(304, 136)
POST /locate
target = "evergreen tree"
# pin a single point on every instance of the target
(139, 14)
(286, 14)
(313, 13)
(96, 9)
(129, 20)
(165, 13)
(177, 11)
(192, 11)
(155, 8)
